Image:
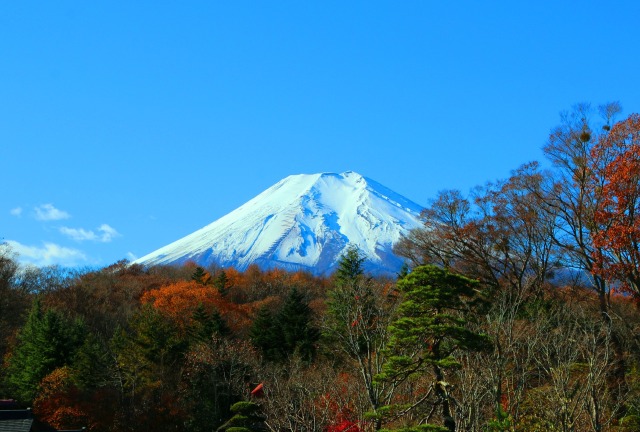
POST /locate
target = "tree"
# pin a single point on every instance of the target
(106, 298)
(58, 403)
(200, 276)
(204, 324)
(216, 375)
(14, 298)
(571, 195)
(350, 267)
(574, 356)
(578, 197)
(434, 323)
(180, 301)
(290, 331)
(147, 356)
(263, 334)
(147, 353)
(358, 315)
(293, 324)
(246, 418)
(221, 282)
(615, 162)
(92, 365)
(497, 235)
(47, 341)
(302, 397)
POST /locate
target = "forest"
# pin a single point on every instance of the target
(517, 310)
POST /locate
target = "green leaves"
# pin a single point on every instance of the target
(290, 331)
(350, 267)
(432, 325)
(47, 341)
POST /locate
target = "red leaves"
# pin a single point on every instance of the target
(59, 403)
(615, 166)
(344, 426)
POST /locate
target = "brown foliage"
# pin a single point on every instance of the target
(108, 297)
(62, 405)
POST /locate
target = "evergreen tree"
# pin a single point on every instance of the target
(263, 334)
(295, 328)
(221, 281)
(201, 276)
(47, 341)
(204, 325)
(290, 331)
(92, 364)
(350, 267)
(148, 352)
(404, 270)
(247, 418)
(433, 324)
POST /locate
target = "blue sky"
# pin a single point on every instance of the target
(127, 125)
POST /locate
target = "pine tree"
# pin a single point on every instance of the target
(290, 331)
(47, 341)
(263, 335)
(404, 270)
(433, 324)
(204, 325)
(247, 418)
(294, 325)
(148, 351)
(92, 364)
(201, 276)
(350, 267)
(221, 281)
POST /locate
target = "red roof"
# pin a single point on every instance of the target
(258, 391)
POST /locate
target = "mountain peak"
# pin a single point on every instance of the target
(303, 222)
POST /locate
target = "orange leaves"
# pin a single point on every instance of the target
(180, 300)
(58, 403)
(616, 182)
(243, 294)
(234, 277)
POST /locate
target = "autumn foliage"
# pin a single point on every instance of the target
(616, 157)
(58, 402)
(544, 335)
(180, 300)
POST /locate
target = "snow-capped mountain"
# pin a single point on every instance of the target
(303, 222)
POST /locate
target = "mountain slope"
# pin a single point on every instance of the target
(302, 222)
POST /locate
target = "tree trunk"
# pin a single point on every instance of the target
(443, 395)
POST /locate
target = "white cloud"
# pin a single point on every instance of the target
(78, 234)
(48, 254)
(108, 233)
(105, 233)
(131, 256)
(47, 212)
(17, 212)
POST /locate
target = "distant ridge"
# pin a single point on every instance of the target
(303, 222)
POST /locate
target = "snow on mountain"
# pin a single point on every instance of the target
(303, 222)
